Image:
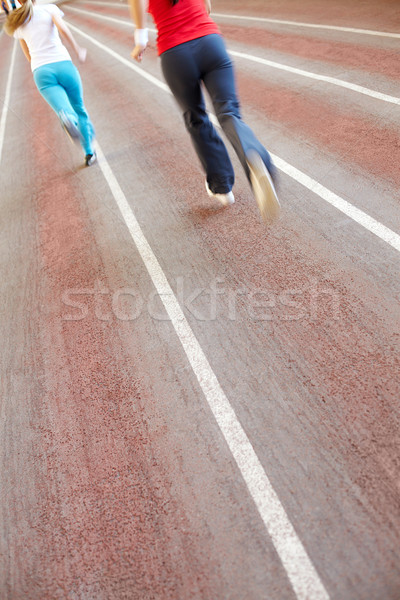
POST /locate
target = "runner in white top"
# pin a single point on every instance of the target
(38, 29)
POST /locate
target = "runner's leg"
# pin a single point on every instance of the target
(46, 81)
(71, 81)
(183, 77)
(220, 83)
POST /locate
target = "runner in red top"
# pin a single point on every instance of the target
(193, 53)
(181, 23)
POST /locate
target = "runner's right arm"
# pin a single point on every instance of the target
(138, 14)
(208, 5)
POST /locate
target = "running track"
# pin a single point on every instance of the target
(196, 406)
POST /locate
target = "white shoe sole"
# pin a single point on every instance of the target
(224, 199)
(70, 128)
(263, 188)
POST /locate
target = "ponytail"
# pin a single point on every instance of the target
(18, 17)
(173, 2)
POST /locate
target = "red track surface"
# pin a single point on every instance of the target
(116, 480)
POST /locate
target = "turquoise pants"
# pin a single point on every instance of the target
(61, 86)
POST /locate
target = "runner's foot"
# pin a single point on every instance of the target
(263, 187)
(90, 159)
(225, 199)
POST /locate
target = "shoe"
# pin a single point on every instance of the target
(263, 187)
(70, 127)
(225, 199)
(90, 159)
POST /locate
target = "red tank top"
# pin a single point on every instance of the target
(181, 23)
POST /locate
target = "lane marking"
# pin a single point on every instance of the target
(295, 560)
(278, 22)
(275, 65)
(6, 101)
(106, 4)
(327, 79)
(357, 215)
(354, 213)
(128, 63)
(311, 25)
(126, 22)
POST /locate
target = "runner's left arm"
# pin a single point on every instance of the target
(66, 33)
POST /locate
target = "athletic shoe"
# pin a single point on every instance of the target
(263, 187)
(225, 199)
(70, 127)
(90, 159)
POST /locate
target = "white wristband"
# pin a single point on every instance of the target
(141, 37)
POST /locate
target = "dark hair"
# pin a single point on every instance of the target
(173, 2)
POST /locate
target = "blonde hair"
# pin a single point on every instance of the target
(18, 17)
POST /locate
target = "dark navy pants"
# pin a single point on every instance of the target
(206, 60)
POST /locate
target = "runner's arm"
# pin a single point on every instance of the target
(25, 49)
(208, 5)
(66, 33)
(138, 10)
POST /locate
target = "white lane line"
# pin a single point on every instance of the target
(311, 25)
(128, 63)
(6, 101)
(333, 80)
(277, 21)
(106, 4)
(127, 22)
(275, 65)
(300, 571)
(357, 215)
(354, 213)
